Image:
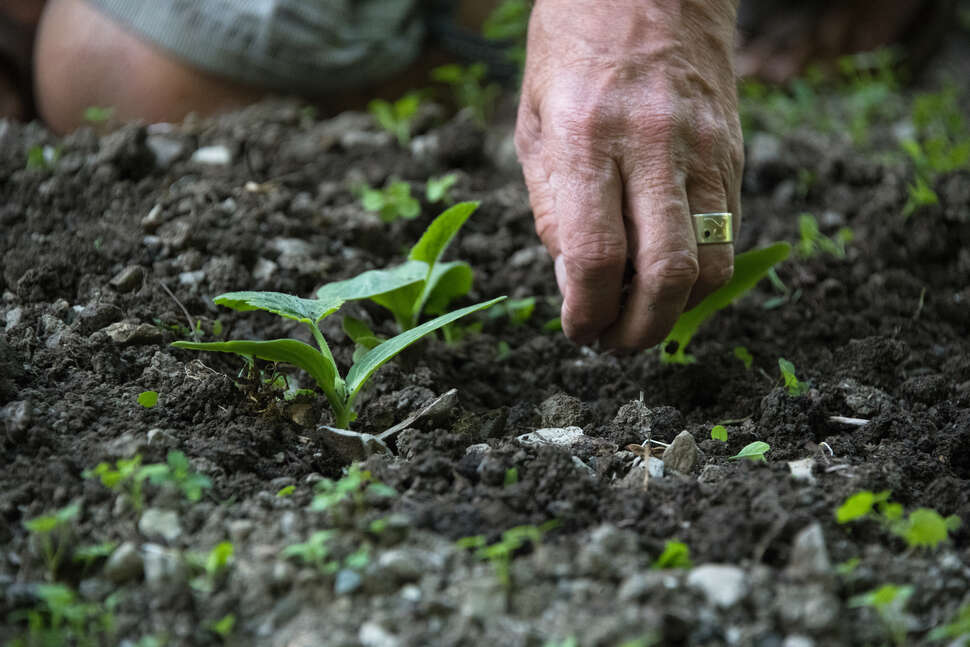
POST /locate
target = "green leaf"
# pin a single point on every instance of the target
(291, 351)
(439, 233)
(754, 451)
(924, 528)
(448, 281)
(746, 358)
(793, 385)
(362, 370)
(308, 311)
(676, 555)
(356, 329)
(374, 283)
(855, 507)
(148, 399)
(749, 268)
(719, 432)
(286, 491)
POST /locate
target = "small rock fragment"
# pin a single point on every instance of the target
(558, 437)
(16, 417)
(165, 150)
(682, 454)
(809, 556)
(124, 564)
(128, 279)
(218, 155)
(347, 581)
(128, 333)
(801, 470)
(160, 524)
(723, 585)
(561, 410)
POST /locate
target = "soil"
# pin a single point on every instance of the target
(90, 244)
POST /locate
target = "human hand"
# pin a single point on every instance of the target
(627, 125)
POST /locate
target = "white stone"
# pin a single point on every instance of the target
(163, 524)
(556, 436)
(722, 584)
(217, 155)
(801, 470)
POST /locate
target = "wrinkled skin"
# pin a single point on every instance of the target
(628, 124)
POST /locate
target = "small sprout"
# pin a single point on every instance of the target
(502, 350)
(793, 385)
(889, 601)
(848, 567)
(390, 203)
(148, 399)
(62, 618)
(719, 432)
(315, 551)
(749, 268)
(469, 88)
(52, 533)
(87, 555)
(813, 241)
(676, 554)
(926, 528)
(500, 553)
(355, 487)
(212, 565)
(922, 528)
(859, 505)
(753, 451)
(518, 311)
(43, 157)
(420, 284)
(958, 627)
(224, 626)
(359, 559)
(509, 23)
(553, 325)
(746, 358)
(511, 476)
(286, 491)
(177, 472)
(98, 114)
(397, 117)
(920, 194)
(438, 189)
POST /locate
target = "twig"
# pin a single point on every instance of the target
(853, 422)
(192, 331)
(919, 306)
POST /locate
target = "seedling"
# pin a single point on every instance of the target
(176, 471)
(438, 189)
(354, 487)
(61, 618)
(286, 491)
(43, 157)
(469, 88)
(957, 629)
(793, 385)
(749, 268)
(148, 399)
(719, 432)
(746, 358)
(676, 554)
(128, 477)
(315, 551)
(98, 115)
(922, 528)
(224, 626)
(518, 311)
(501, 552)
(87, 555)
(52, 534)
(786, 294)
(420, 284)
(397, 117)
(753, 451)
(889, 601)
(511, 476)
(814, 242)
(390, 203)
(509, 22)
(848, 567)
(211, 566)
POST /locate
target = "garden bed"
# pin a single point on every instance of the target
(91, 241)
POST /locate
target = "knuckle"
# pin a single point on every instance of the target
(675, 270)
(596, 253)
(715, 275)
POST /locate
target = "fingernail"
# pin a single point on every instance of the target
(559, 266)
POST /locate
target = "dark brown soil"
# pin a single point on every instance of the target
(87, 246)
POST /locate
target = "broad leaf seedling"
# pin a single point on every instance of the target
(397, 117)
(753, 451)
(390, 203)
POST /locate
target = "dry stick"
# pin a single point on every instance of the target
(192, 331)
(853, 422)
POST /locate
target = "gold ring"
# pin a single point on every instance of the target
(712, 228)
